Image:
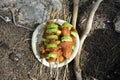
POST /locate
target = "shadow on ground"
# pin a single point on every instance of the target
(102, 53)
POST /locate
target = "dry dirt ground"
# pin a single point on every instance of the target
(100, 57)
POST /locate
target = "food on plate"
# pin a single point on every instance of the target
(58, 42)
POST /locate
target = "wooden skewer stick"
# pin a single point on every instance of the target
(88, 27)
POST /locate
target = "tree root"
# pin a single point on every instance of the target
(88, 27)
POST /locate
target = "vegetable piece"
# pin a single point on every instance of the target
(50, 22)
(66, 38)
(43, 39)
(51, 55)
(58, 32)
(42, 49)
(45, 43)
(51, 60)
(74, 33)
(57, 42)
(67, 24)
(73, 48)
(52, 37)
(51, 45)
(61, 59)
(52, 26)
(52, 41)
(51, 30)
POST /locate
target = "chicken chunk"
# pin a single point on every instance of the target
(67, 49)
(50, 22)
(61, 59)
(65, 31)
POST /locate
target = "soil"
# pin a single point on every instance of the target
(100, 54)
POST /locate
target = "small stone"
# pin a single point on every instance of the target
(4, 45)
(117, 26)
(15, 56)
(108, 77)
(108, 24)
(28, 72)
(117, 20)
(1, 56)
(117, 4)
(19, 55)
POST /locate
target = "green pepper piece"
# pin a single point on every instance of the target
(58, 32)
(73, 48)
(51, 55)
(43, 39)
(51, 30)
(51, 26)
(57, 42)
(52, 37)
(51, 45)
(45, 43)
(66, 38)
(74, 33)
(67, 24)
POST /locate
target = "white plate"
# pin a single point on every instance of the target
(36, 39)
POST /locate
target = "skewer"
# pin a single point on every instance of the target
(65, 72)
(51, 70)
(6, 19)
(41, 67)
(57, 69)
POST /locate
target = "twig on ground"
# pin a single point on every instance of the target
(53, 14)
(6, 19)
(65, 72)
(18, 25)
(33, 78)
(41, 68)
(57, 72)
(83, 20)
(94, 78)
(4, 9)
(69, 18)
(64, 14)
(27, 39)
(48, 15)
(88, 27)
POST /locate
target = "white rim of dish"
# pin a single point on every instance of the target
(36, 39)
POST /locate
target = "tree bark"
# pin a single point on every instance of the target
(88, 27)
